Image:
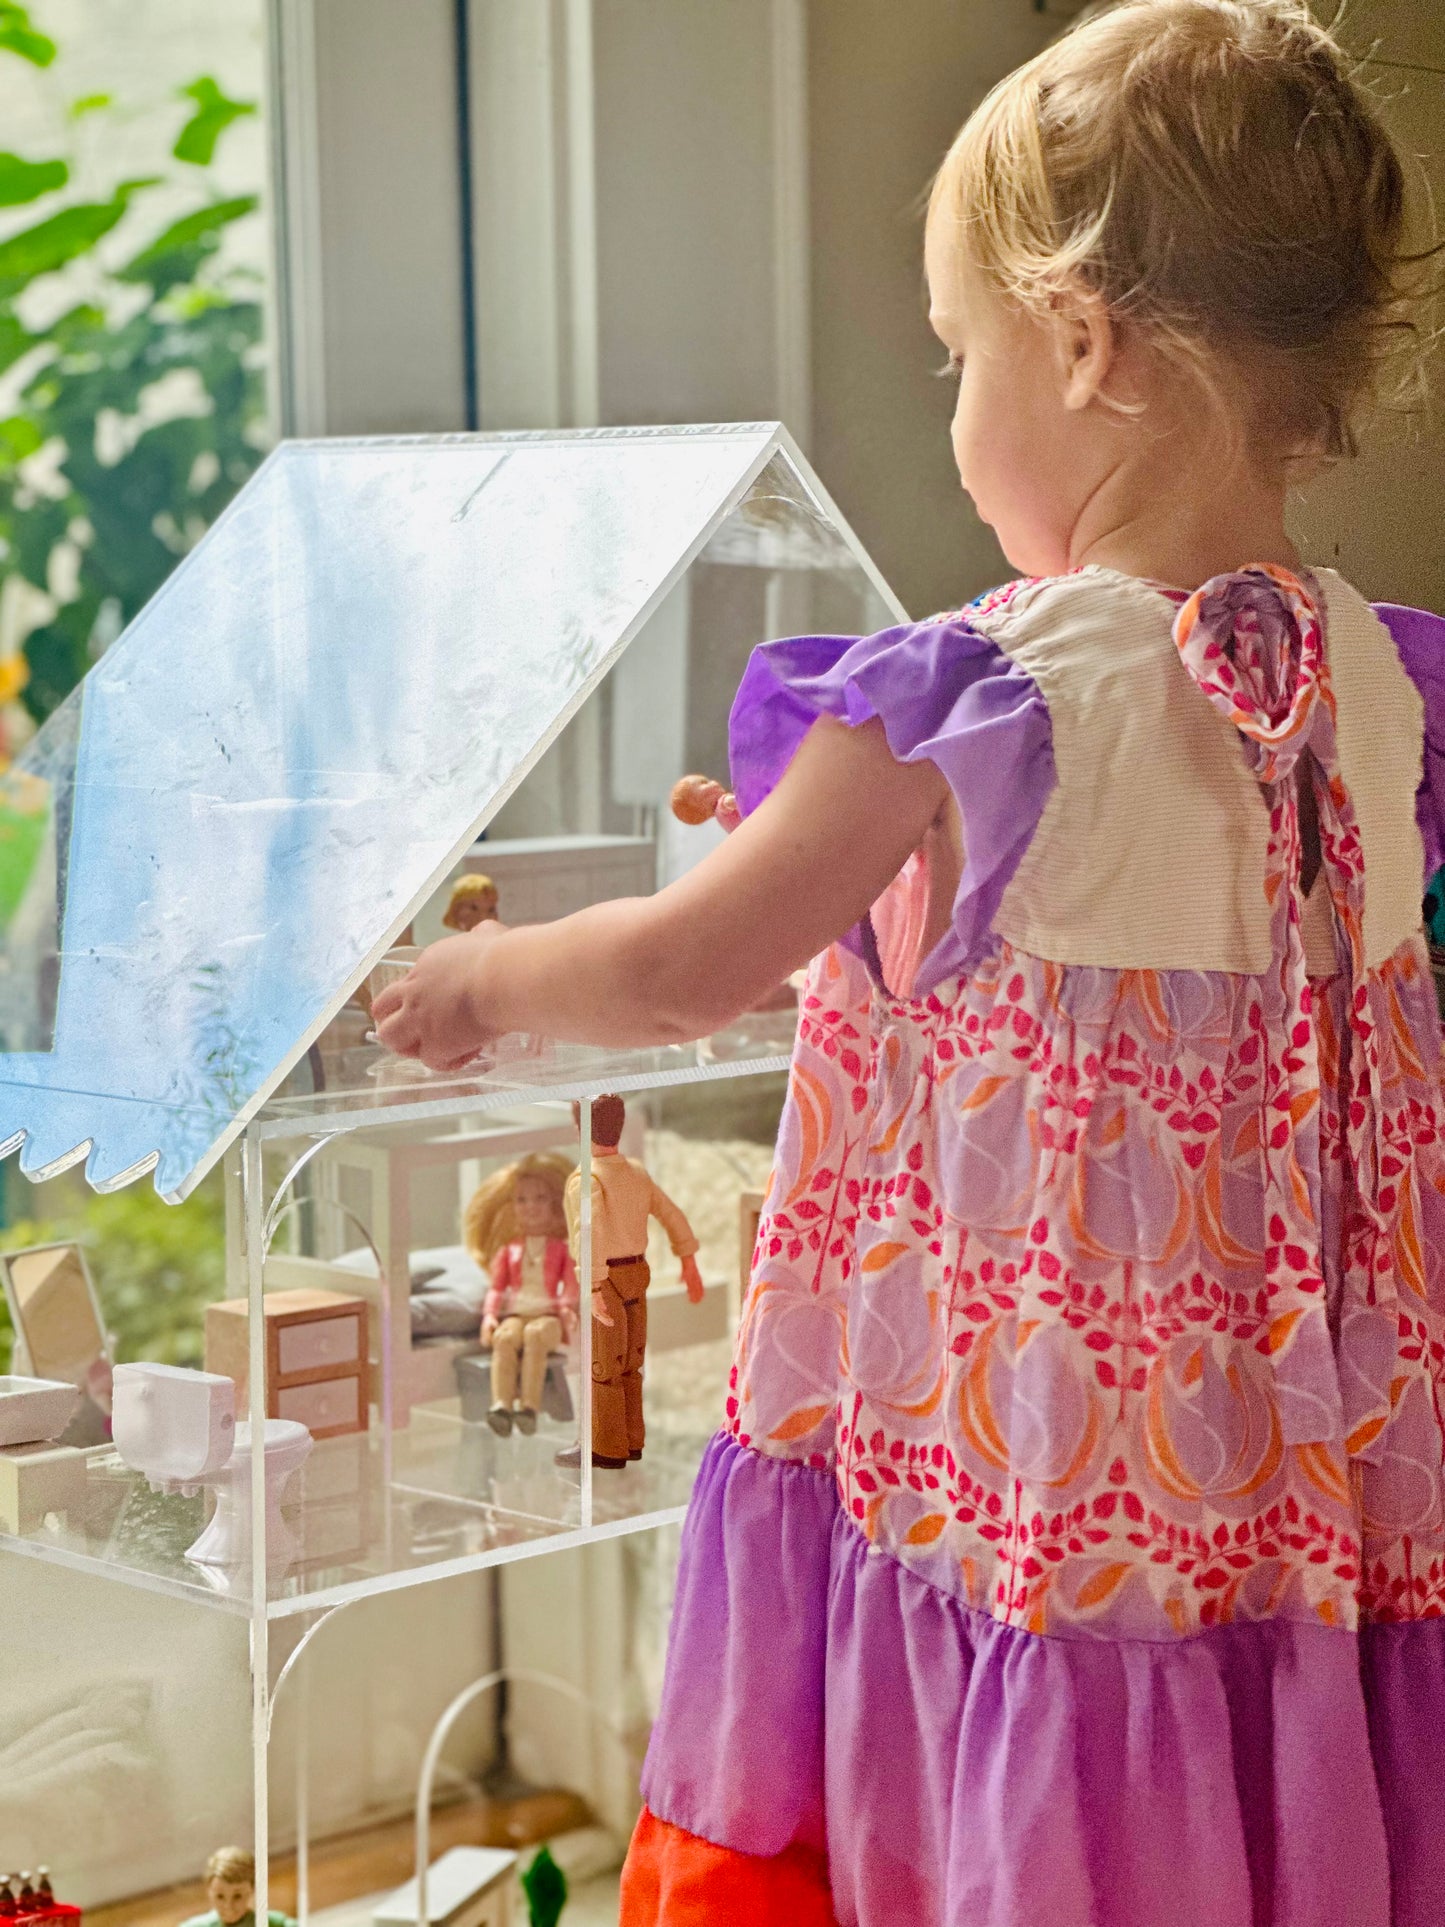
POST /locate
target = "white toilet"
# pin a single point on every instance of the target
(178, 1428)
(226, 1541)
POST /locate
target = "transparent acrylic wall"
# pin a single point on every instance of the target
(499, 1710)
(257, 788)
(775, 566)
(517, 1701)
(127, 1751)
(372, 1518)
(374, 1219)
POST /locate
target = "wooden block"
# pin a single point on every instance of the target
(36, 1479)
(467, 1887)
(314, 1339)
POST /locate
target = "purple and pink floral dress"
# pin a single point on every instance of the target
(1074, 1551)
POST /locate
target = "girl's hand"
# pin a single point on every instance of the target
(436, 1012)
(489, 1330)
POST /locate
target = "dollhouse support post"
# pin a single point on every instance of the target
(584, 1293)
(254, 1207)
(303, 1797)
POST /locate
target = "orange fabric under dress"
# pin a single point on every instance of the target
(675, 1879)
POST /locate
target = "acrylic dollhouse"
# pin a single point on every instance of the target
(383, 651)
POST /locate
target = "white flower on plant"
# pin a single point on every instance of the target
(40, 473)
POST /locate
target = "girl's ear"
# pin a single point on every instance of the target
(1087, 346)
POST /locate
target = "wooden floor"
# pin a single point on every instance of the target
(372, 1860)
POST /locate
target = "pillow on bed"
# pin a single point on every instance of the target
(440, 1267)
(447, 1290)
(441, 1314)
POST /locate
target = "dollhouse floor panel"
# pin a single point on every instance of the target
(370, 1514)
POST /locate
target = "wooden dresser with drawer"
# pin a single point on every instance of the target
(316, 1357)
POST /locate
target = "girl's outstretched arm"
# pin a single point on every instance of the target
(801, 870)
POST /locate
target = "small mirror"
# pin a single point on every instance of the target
(56, 1316)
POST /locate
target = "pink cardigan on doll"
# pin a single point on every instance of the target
(558, 1275)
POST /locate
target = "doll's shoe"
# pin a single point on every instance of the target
(570, 1458)
(525, 1419)
(500, 1420)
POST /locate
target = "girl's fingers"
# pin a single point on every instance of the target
(399, 1034)
(386, 1002)
(448, 1061)
(421, 1016)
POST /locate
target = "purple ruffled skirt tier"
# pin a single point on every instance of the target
(965, 1773)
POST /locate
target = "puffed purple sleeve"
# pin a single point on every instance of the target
(945, 694)
(1419, 637)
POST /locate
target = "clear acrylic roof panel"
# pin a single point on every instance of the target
(249, 795)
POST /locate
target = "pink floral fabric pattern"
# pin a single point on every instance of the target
(1114, 1298)
(783, 1389)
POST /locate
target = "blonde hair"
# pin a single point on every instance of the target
(233, 1864)
(490, 1220)
(468, 889)
(1212, 170)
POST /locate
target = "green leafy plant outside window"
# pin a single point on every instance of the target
(123, 496)
(156, 1266)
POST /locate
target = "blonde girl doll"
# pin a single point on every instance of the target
(473, 900)
(515, 1229)
(1073, 1553)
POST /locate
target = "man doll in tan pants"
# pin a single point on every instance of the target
(624, 1198)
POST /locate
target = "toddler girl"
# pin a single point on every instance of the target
(1074, 1551)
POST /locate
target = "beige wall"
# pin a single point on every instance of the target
(380, 277)
(889, 85)
(1379, 519)
(684, 211)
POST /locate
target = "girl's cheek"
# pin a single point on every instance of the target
(970, 452)
(960, 434)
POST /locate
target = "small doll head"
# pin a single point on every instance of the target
(473, 901)
(1184, 218)
(609, 1119)
(522, 1200)
(231, 1884)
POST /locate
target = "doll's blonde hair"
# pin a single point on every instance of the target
(1213, 170)
(234, 1865)
(467, 889)
(490, 1220)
